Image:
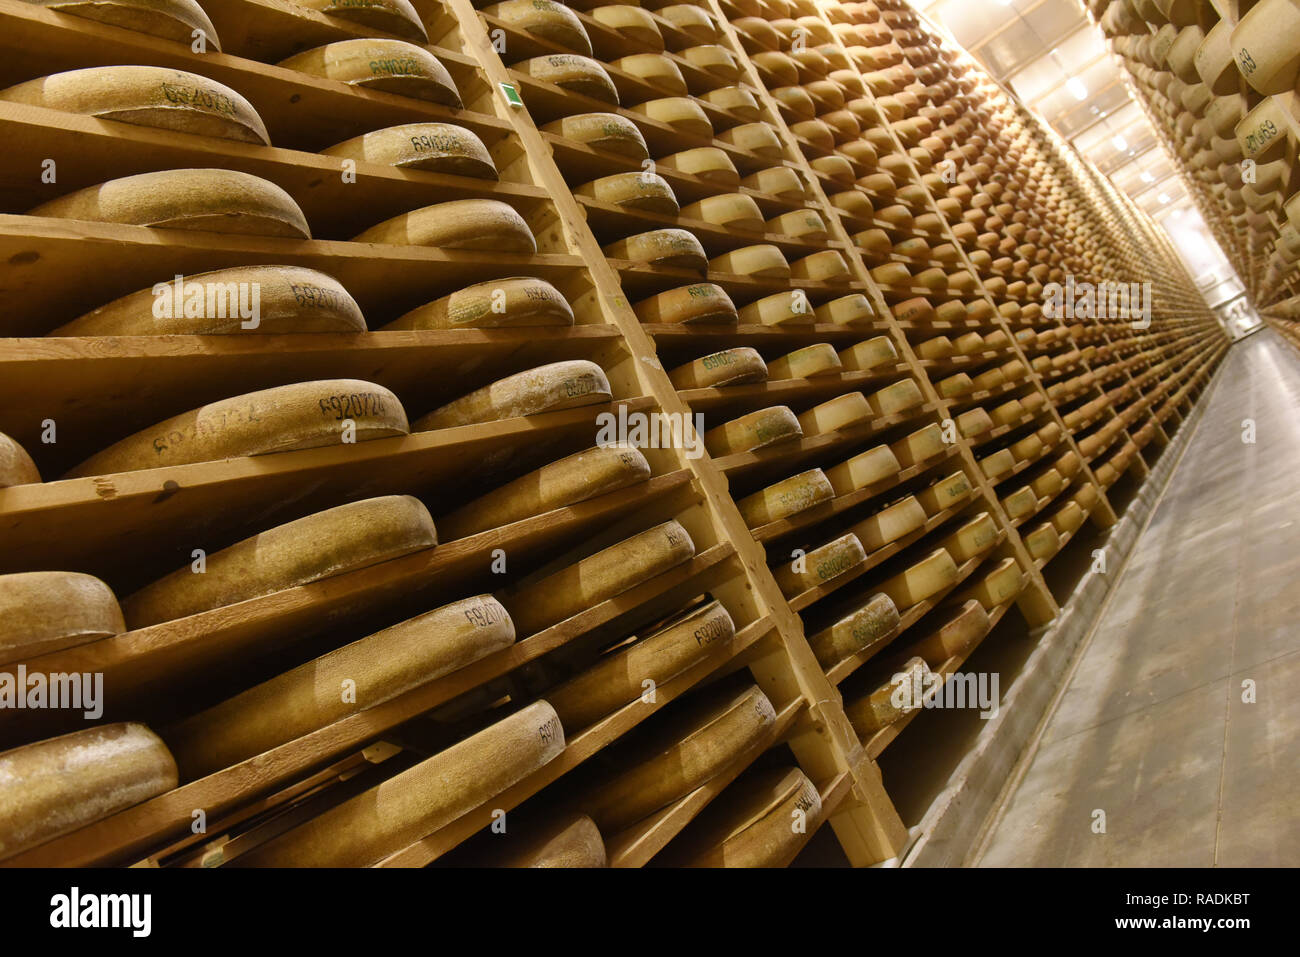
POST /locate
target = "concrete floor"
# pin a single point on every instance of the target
(1152, 728)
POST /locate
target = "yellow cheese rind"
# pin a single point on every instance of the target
(569, 71)
(56, 786)
(817, 359)
(820, 565)
(573, 479)
(321, 545)
(842, 412)
(763, 260)
(550, 21)
(702, 302)
(654, 69)
(887, 704)
(676, 248)
(920, 446)
(785, 498)
(855, 632)
(170, 19)
(733, 210)
(16, 466)
(549, 388)
(498, 303)
(373, 670)
(853, 309)
(705, 162)
(605, 131)
(1043, 541)
(922, 580)
(644, 191)
(955, 636)
(728, 367)
(211, 200)
(891, 523)
(43, 612)
(437, 147)
(863, 470)
(896, 398)
(754, 430)
(756, 828)
(572, 841)
(609, 572)
(972, 538)
(393, 66)
(486, 224)
(147, 96)
(420, 800)
(288, 299)
(682, 113)
(999, 586)
(868, 354)
(305, 415)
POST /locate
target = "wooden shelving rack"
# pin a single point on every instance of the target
(998, 203)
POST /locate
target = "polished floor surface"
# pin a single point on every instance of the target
(1181, 721)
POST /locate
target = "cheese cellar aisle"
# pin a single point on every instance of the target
(528, 435)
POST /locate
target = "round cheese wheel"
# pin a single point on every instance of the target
(572, 841)
(548, 388)
(896, 398)
(756, 138)
(603, 131)
(787, 497)
(779, 181)
(954, 385)
(842, 412)
(674, 248)
(779, 309)
(438, 147)
(694, 21)
(654, 69)
(851, 310)
(864, 627)
(700, 303)
(568, 71)
(729, 367)
(705, 162)
(542, 603)
(867, 355)
(170, 19)
(147, 96)
(734, 101)
(486, 224)
(945, 493)
(422, 799)
(863, 470)
(820, 565)
(825, 266)
(497, 303)
(999, 586)
(698, 742)
(638, 25)
(922, 580)
(806, 363)
(796, 100)
(962, 629)
(805, 224)
(645, 191)
(938, 347)
(751, 823)
(1263, 42)
(754, 430)
(890, 523)
(617, 678)
(16, 466)
(278, 299)
(732, 210)
(882, 707)
(972, 538)
(56, 786)
(393, 66)
(1042, 541)
(318, 546)
(763, 260)
(380, 667)
(542, 18)
(304, 415)
(1020, 503)
(397, 17)
(43, 612)
(212, 200)
(681, 113)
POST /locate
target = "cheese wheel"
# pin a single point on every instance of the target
(1027, 448)
(806, 363)
(705, 162)
(645, 191)
(16, 466)
(920, 446)
(825, 266)
(863, 470)
(694, 21)
(498, 303)
(170, 19)
(732, 210)
(56, 786)
(787, 497)
(1263, 42)
(379, 667)
(999, 586)
(955, 636)
(779, 309)
(853, 309)
(1020, 503)
(820, 565)
(486, 224)
(842, 412)
(697, 744)
(318, 546)
(997, 464)
(44, 612)
(867, 355)
(856, 632)
(212, 200)
(805, 224)
(654, 69)
(618, 676)
(636, 24)
(728, 367)
(602, 131)
(938, 347)
(974, 422)
(571, 841)
(754, 430)
(896, 398)
(972, 538)
(573, 479)
(734, 101)
(1008, 412)
(278, 299)
(954, 385)
(437, 147)
(538, 605)
(1042, 541)
(393, 66)
(674, 248)
(763, 260)
(891, 523)
(681, 113)
(795, 100)
(699, 303)
(756, 138)
(147, 96)
(422, 799)
(548, 388)
(945, 493)
(853, 202)
(890, 702)
(542, 18)
(752, 823)
(922, 580)
(568, 71)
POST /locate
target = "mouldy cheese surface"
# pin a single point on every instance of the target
(573, 479)
(675, 248)
(577, 74)
(486, 224)
(437, 147)
(754, 430)
(56, 786)
(211, 200)
(42, 612)
(617, 678)
(393, 66)
(382, 666)
(147, 96)
(322, 545)
(594, 579)
(728, 367)
(865, 469)
(959, 632)
(422, 799)
(750, 823)
(820, 565)
(806, 363)
(922, 580)
(891, 523)
(856, 631)
(515, 301)
(549, 388)
(785, 498)
(304, 415)
(170, 19)
(550, 21)
(694, 745)
(880, 708)
(16, 466)
(288, 299)
(604, 131)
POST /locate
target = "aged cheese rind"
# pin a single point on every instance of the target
(728, 367)
(572, 841)
(820, 565)
(958, 633)
(754, 430)
(676, 248)
(605, 131)
(16, 466)
(755, 829)
(550, 21)
(498, 303)
(437, 147)
(569, 71)
(42, 612)
(785, 498)
(865, 469)
(922, 580)
(322, 545)
(557, 385)
(854, 632)
(393, 66)
(486, 224)
(170, 19)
